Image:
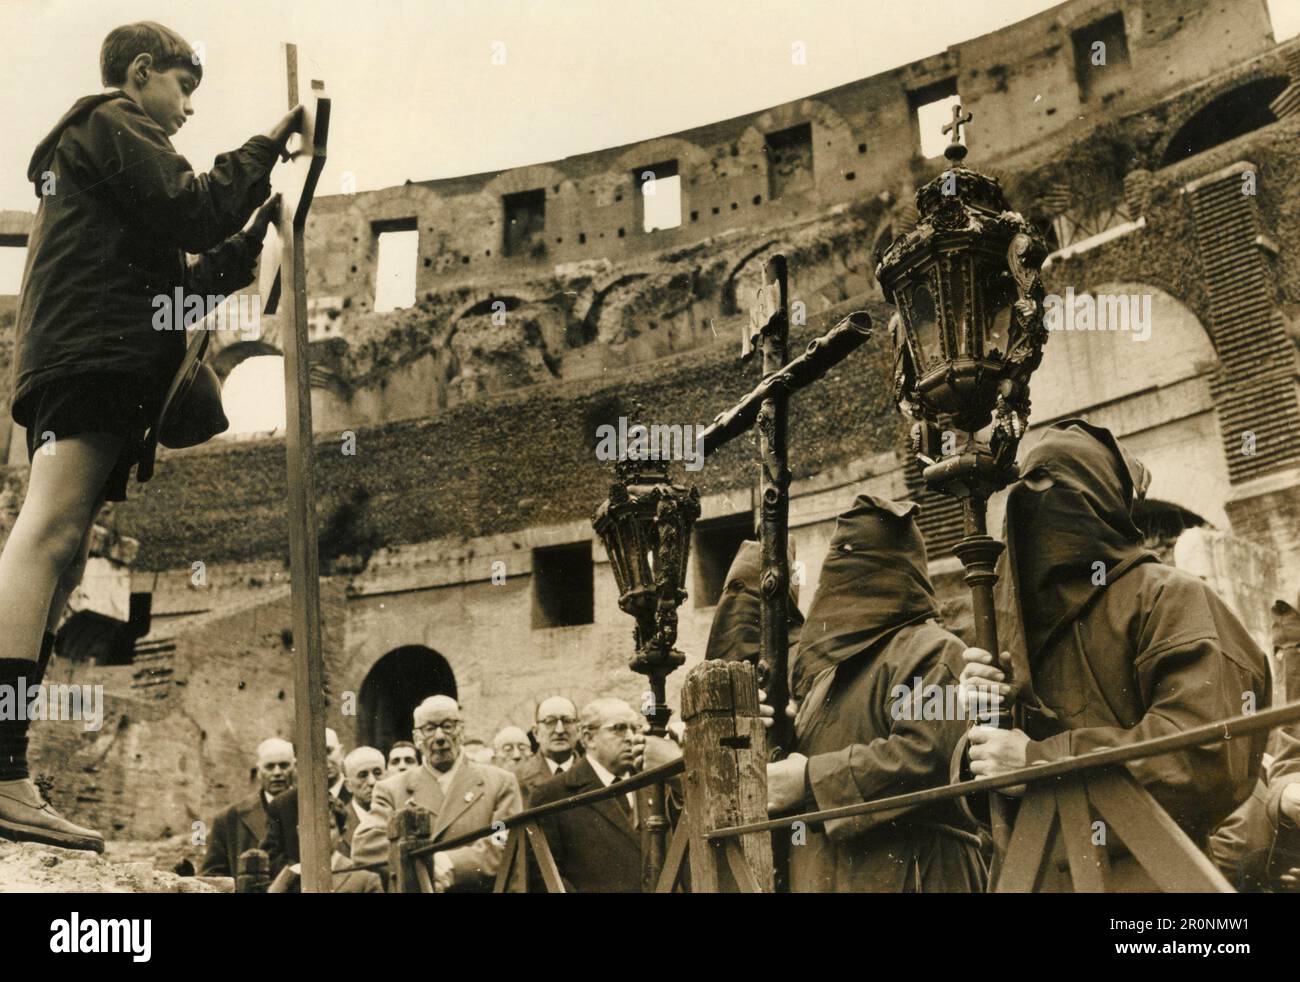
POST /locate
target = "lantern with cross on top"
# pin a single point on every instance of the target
(968, 334)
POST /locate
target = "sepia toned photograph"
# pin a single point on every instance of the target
(582, 446)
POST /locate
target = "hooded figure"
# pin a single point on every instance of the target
(737, 628)
(1257, 843)
(1110, 646)
(870, 650)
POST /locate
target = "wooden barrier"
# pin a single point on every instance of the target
(252, 872)
(409, 828)
(726, 778)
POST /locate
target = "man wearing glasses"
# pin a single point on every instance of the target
(461, 795)
(597, 849)
(556, 732)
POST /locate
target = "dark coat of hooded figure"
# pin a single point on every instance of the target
(1110, 646)
(870, 642)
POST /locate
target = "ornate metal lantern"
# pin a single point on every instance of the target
(970, 302)
(968, 335)
(646, 525)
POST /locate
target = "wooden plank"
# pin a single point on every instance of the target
(673, 861)
(423, 877)
(726, 770)
(510, 856)
(407, 829)
(309, 667)
(1022, 867)
(1163, 849)
(737, 862)
(1089, 865)
(545, 861)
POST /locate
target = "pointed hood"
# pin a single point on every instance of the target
(874, 581)
(43, 157)
(1071, 510)
(736, 628)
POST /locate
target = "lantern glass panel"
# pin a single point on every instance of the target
(957, 286)
(999, 296)
(925, 326)
(999, 333)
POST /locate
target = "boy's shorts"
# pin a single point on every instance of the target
(116, 404)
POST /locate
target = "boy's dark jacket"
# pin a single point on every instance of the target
(119, 210)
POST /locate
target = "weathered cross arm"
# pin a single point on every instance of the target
(821, 355)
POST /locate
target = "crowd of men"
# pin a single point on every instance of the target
(1104, 646)
(465, 785)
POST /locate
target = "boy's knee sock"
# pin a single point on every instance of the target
(43, 659)
(15, 674)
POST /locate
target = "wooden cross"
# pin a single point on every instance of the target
(289, 275)
(958, 121)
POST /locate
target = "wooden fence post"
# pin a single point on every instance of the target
(252, 872)
(407, 827)
(726, 777)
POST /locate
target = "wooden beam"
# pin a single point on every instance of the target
(1089, 864)
(1022, 867)
(309, 667)
(1163, 849)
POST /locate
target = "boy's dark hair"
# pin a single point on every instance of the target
(124, 43)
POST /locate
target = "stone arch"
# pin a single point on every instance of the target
(402, 201)
(1152, 393)
(225, 361)
(730, 300)
(394, 686)
(1083, 369)
(692, 161)
(686, 153)
(587, 326)
(1223, 113)
(528, 178)
(803, 111)
(480, 302)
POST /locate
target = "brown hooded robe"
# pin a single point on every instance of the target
(869, 651)
(1110, 646)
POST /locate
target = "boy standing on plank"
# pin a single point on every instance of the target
(119, 211)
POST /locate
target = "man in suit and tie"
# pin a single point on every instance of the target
(597, 849)
(281, 840)
(242, 826)
(555, 729)
(334, 767)
(363, 768)
(461, 795)
(345, 879)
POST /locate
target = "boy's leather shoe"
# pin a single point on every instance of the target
(25, 816)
